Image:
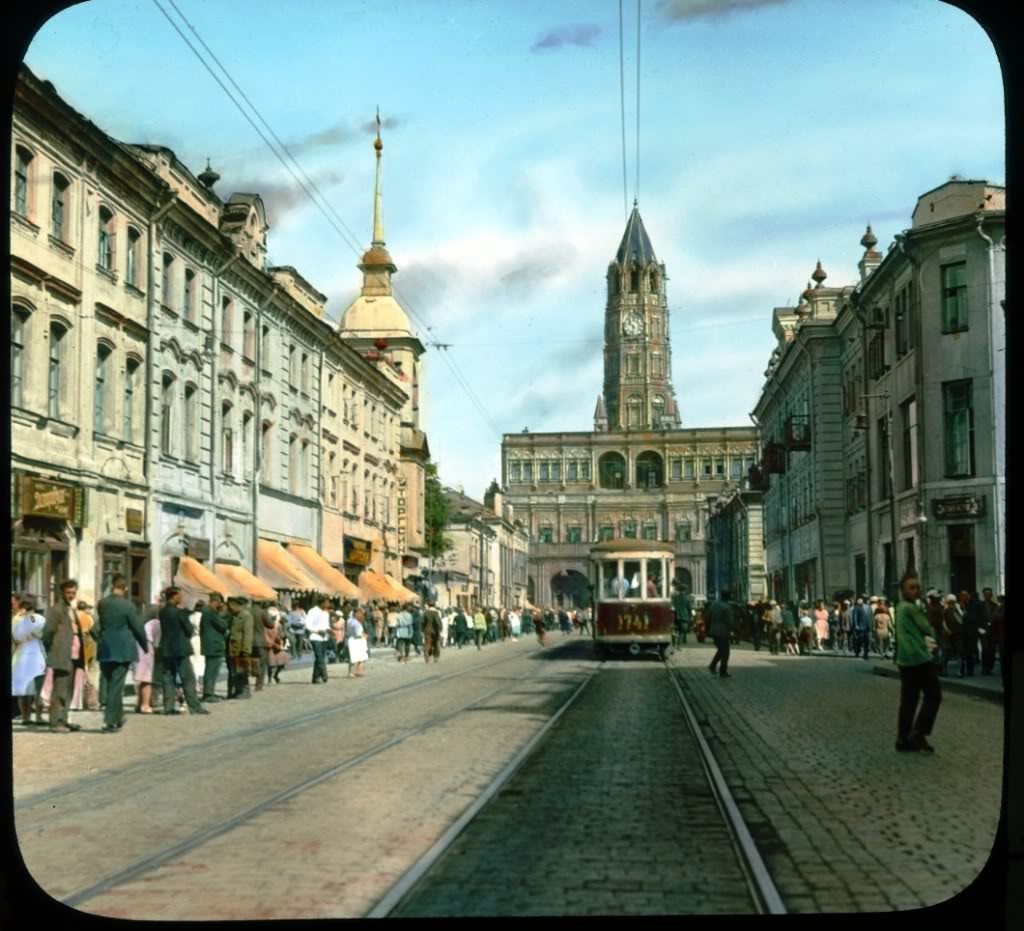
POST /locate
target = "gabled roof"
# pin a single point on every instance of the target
(636, 244)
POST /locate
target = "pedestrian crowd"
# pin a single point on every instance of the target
(70, 659)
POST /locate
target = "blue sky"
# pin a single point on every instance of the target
(772, 131)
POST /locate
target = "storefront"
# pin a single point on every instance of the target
(959, 516)
(128, 557)
(47, 519)
(358, 556)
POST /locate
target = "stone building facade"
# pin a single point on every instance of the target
(173, 395)
(639, 474)
(736, 546)
(904, 452)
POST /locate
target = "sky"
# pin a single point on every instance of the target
(770, 133)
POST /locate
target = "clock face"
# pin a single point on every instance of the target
(633, 325)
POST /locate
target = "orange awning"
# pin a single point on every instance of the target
(403, 593)
(373, 586)
(196, 581)
(283, 572)
(245, 582)
(333, 582)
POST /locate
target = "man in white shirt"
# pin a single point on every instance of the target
(318, 629)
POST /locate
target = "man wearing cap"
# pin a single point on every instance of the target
(240, 638)
(918, 674)
(860, 627)
(213, 628)
(175, 650)
(722, 621)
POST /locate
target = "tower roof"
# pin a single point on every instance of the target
(636, 244)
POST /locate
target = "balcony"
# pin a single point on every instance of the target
(798, 432)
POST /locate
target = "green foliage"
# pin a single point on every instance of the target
(435, 518)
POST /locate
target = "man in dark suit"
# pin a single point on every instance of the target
(721, 624)
(175, 650)
(62, 640)
(261, 621)
(213, 628)
(118, 629)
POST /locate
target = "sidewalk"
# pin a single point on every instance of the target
(990, 687)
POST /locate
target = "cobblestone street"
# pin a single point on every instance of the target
(611, 813)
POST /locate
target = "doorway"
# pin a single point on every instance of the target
(962, 566)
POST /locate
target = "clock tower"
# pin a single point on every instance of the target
(638, 392)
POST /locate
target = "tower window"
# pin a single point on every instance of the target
(654, 281)
(634, 281)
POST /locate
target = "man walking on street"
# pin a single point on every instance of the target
(296, 630)
(432, 630)
(239, 648)
(479, 627)
(318, 628)
(919, 676)
(213, 628)
(65, 652)
(860, 627)
(720, 628)
(262, 622)
(682, 614)
(175, 650)
(119, 630)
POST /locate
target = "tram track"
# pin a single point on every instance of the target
(763, 894)
(198, 838)
(220, 742)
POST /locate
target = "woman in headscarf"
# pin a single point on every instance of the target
(28, 659)
(142, 669)
(883, 627)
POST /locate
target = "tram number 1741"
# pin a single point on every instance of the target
(632, 622)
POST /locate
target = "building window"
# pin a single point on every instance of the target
(706, 470)
(909, 416)
(720, 468)
(574, 534)
(527, 471)
(545, 534)
(22, 165)
(545, 472)
(227, 309)
(189, 295)
(131, 274)
(883, 458)
(249, 335)
(514, 472)
(612, 469)
(165, 285)
(293, 465)
(305, 373)
(556, 471)
(654, 281)
(629, 531)
(658, 409)
(166, 413)
(585, 471)
(191, 423)
(901, 324)
(106, 242)
(958, 422)
(103, 353)
(954, 298)
(677, 470)
(684, 533)
(58, 207)
(573, 471)
(607, 532)
(265, 349)
(632, 365)
(304, 466)
(131, 376)
(634, 280)
(633, 412)
(650, 532)
(247, 437)
(690, 469)
(57, 335)
(736, 469)
(266, 452)
(19, 320)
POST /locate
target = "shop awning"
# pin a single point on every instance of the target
(196, 581)
(283, 572)
(333, 582)
(245, 582)
(403, 593)
(375, 587)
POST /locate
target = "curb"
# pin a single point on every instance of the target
(950, 685)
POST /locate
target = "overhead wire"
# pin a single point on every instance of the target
(460, 378)
(622, 103)
(636, 190)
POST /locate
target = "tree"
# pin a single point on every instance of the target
(435, 517)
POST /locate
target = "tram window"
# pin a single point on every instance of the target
(610, 584)
(655, 579)
(631, 577)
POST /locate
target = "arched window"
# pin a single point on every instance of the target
(227, 437)
(167, 393)
(634, 411)
(293, 356)
(22, 171)
(103, 353)
(265, 349)
(58, 332)
(634, 280)
(266, 452)
(650, 470)
(227, 311)
(131, 377)
(304, 465)
(58, 207)
(613, 282)
(611, 468)
(305, 373)
(654, 282)
(131, 274)
(249, 336)
(247, 439)
(657, 410)
(106, 242)
(293, 464)
(189, 295)
(191, 423)
(165, 286)
(19, 325)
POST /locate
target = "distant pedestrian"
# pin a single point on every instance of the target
(805, 634)
(461, 627)
(28, 661)
(357, 648)
(919, 679)
(538, 626)
(479, 628)
(119, 630)
(721, 623)
(433, 633)
(65, 654)
(175, 650)
(860, 627)
(999, 641)
(821, 630)
(417, 628)
(883, 627)
(213, 629)
(988, 649)
(563, 622)
(789, 628)
(446, 625)
(403, 636)
(756, 611)
(970, 632)
(240, 634)
(277, 650)
(296, 630)
(392, 622)
(318, 627)
(585, 621)
(773, 623)
(515, 624)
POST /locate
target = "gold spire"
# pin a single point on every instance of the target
(378, 211)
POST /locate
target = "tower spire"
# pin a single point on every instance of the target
(378, 208)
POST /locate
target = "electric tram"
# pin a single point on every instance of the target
(631, 581)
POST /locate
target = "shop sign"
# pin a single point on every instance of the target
(133, 520)
(199, 549)
(402, 515)
(358, 552)
(960, 506)
(40, 498)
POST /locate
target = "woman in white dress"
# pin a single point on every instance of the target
(357, 652)
(515, 623)
(28, 661)
(142, 670)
